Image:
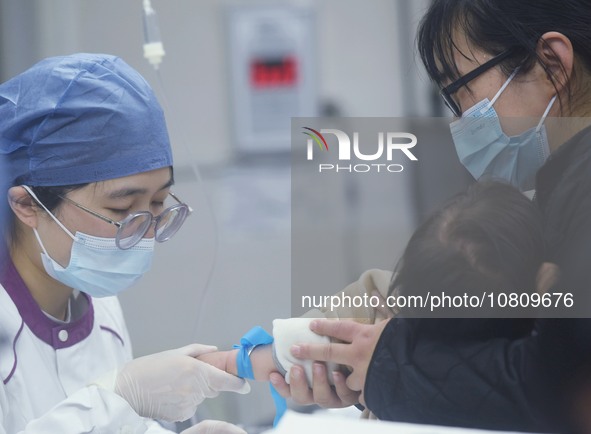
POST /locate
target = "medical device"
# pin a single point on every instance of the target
(154, 53)
(153, 48)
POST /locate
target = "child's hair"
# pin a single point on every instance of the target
(488, 238)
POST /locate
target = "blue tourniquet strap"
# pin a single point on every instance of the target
(253, 338)
(280, 404)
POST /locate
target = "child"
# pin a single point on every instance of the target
(488, 238)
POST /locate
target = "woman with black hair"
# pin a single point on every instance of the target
(86, 172)
(517, 75)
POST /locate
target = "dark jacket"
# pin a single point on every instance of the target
(503, 384)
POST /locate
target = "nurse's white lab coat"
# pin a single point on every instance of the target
(46, 366)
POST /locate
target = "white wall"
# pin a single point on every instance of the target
(358, 61)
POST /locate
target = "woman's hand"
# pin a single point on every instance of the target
(359, 343)
(356, 351)
(171, 384)
(321, 392)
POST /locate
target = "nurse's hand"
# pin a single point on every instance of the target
(356, 351)
(214, 427)
(321, 393)
(170, 385)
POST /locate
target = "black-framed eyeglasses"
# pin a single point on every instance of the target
(447, 92)
(134, 227)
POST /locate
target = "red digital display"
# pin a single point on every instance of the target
(274, 72)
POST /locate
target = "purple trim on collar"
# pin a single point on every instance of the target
(110, 330)
(7, 379)
(52, 333)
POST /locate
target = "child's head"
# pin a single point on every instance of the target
(488, 238)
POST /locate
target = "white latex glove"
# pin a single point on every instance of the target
(171, 384)
(214, 427)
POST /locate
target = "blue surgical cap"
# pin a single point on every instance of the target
(4, 216)
(79, 119)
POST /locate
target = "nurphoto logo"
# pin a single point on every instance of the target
(389, 144)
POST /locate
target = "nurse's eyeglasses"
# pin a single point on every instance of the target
(447, 92)
(134, 227)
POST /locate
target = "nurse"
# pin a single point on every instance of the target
(87, 171)
(499, 64)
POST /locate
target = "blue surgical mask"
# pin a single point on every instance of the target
(97, 266)
(487, 152)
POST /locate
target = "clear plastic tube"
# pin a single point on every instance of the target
(207, 205)
(153, 48)
(154, 51)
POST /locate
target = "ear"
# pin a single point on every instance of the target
(556, 52)
(23, 206)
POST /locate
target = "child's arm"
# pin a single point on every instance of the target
(293, 331)
(261, 359)
(275, 357)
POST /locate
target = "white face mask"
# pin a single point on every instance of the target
(97, 266)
